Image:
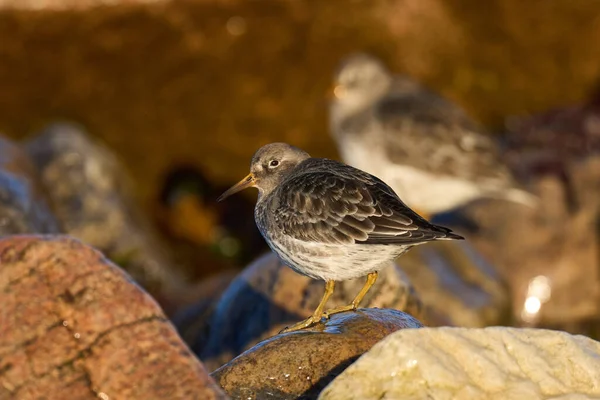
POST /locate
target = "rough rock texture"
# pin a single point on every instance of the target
(23, 208)
(267, 296)
(457, 286)
(90, 194)
(299, 364)
(74, 325)
(459, 363)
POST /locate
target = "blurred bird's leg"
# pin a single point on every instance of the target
(317, 315)
(371, 278)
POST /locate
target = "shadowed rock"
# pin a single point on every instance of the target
(457, 285)
(299, 364)
(75, 326)
(91, 195)
(267, 296)
(23, 208)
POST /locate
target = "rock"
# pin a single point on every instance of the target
(192, 322)
(552, 267)
(23, 208)
(460, 363)
(267, 296)
(299, 364)
(74, 325)
(457, 285)
(90, 194)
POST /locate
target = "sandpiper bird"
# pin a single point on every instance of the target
(330, 221)
(433, 155)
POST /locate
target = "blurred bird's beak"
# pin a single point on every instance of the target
(338, 91)
(247, 182)
(335, 91)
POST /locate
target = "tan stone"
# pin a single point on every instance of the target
(459, 363)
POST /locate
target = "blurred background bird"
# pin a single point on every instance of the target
(427, 148)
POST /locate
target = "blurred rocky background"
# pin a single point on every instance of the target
(121, 121)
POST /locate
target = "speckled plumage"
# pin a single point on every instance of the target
(423, 145)
(330, 221)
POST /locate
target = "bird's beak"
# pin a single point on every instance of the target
(247, 182)
(336, 91)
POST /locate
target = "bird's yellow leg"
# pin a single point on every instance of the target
(318, 314)
(371, 278)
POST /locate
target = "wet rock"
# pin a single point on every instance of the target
(267, 296)
(91, 195)
(23, 208)
(459, 363)
(299, 364)
(457, 285)
(74, 325)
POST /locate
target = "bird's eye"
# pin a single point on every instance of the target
(273, 164)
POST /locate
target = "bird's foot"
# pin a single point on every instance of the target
(310, 321)
(349, 307)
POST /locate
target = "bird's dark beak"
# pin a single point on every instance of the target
(247, 182)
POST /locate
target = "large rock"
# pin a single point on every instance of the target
(267, 296)
(23, 208)
(459, 363)
(299, 364)
(75, 326)
(549, 255)
(457, 285)
(91, 195)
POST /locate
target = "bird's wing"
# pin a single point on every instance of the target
(338, 204)
(429, 132)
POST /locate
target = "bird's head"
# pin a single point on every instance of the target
(359, 80)
(270, 165)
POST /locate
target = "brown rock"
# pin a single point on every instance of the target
(457, 285)
(75, 326)
(553, 257)
(267, 296)
(91, 195)
(23, 209)
(300, 364)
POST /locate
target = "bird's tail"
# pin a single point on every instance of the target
(519, 196)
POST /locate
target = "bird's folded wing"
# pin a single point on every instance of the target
(429, 132)
(334, 209)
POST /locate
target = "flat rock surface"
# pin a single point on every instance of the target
(268, 296)
(299, 364)
(74, 325)
(460, 363)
